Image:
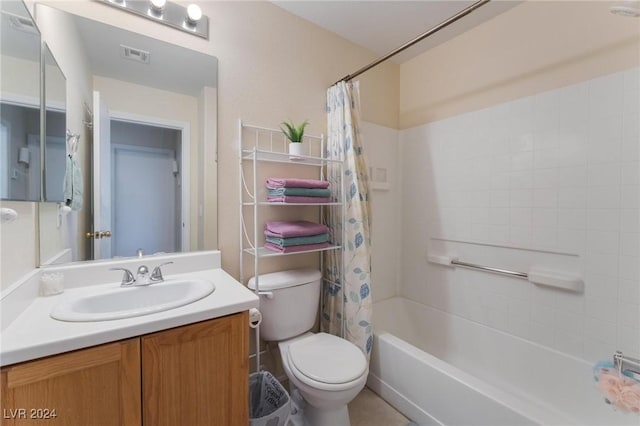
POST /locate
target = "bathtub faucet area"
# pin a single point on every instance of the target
(623, 363)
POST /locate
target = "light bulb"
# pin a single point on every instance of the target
(158, 5)
(194, 13)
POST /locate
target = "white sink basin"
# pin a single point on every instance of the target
(127, 302)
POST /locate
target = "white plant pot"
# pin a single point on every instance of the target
(295, 150)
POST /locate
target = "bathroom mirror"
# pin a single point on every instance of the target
(20, 104)
(55, 127)
(145, 111)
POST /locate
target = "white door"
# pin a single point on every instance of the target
(144, 200)
(101, 186)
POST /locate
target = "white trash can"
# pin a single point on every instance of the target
(269, 402)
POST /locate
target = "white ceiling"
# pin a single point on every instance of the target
(382, 26)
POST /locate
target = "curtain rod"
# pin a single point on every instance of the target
(443, 24)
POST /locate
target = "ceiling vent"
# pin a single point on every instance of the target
(134, 54)
(21, 23)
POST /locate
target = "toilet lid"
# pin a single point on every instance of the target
(327, 359)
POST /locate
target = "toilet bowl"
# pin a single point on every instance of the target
(326, 370)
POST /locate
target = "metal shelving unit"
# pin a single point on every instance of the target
(257, 145)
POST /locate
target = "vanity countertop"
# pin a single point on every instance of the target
(34, 334)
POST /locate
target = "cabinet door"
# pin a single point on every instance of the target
(96, 386)
(197, 374)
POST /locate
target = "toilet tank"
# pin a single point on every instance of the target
(288, 303)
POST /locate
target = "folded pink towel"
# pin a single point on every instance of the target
(301, 228)
(293, 249)
(298, 199)
(274, 183)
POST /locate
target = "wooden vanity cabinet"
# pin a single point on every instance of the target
(196, 374)
(95, 386)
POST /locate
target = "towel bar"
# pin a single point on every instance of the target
(535, 275)
(490, 269)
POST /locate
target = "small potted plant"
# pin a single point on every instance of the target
(294, 134)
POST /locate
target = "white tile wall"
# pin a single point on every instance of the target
(553, 180)
(381, 148)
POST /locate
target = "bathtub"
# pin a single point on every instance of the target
(441, 369)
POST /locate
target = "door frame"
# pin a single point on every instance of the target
(185, 159)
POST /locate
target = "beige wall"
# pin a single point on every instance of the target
(208, 159)
(18, 76)
(65, 43)
(17, 248)
(56, 240)
(273, 66)
(534, 47)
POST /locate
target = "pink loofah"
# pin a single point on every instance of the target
(620, 391)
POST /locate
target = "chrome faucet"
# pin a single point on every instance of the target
(127, 278)
(156, 275)
(142, 277)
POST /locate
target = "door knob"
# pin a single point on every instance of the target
(98, 234)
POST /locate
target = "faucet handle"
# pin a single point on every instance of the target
(156, 275)
(127, 277)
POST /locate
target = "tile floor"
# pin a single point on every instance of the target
(368, 409)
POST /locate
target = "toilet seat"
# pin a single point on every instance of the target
(327, 362)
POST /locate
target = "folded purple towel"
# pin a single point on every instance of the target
(268, 233)
(274, 183)
(298, 199)
(301, 228)
(293, 249)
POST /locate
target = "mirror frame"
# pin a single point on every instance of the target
(43, 118)
(81, 224)
(40, 104)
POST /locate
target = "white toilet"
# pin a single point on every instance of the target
(328, 371)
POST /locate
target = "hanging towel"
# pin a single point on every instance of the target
(294, 199)
(73, 184)
(274, 183)
(301, 228)
(300, 192)
(293, 249)
(296, 241)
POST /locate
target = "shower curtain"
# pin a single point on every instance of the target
(347, 305)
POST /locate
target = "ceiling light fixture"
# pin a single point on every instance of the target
(189, 19)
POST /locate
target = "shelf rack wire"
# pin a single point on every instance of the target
(255, 151)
